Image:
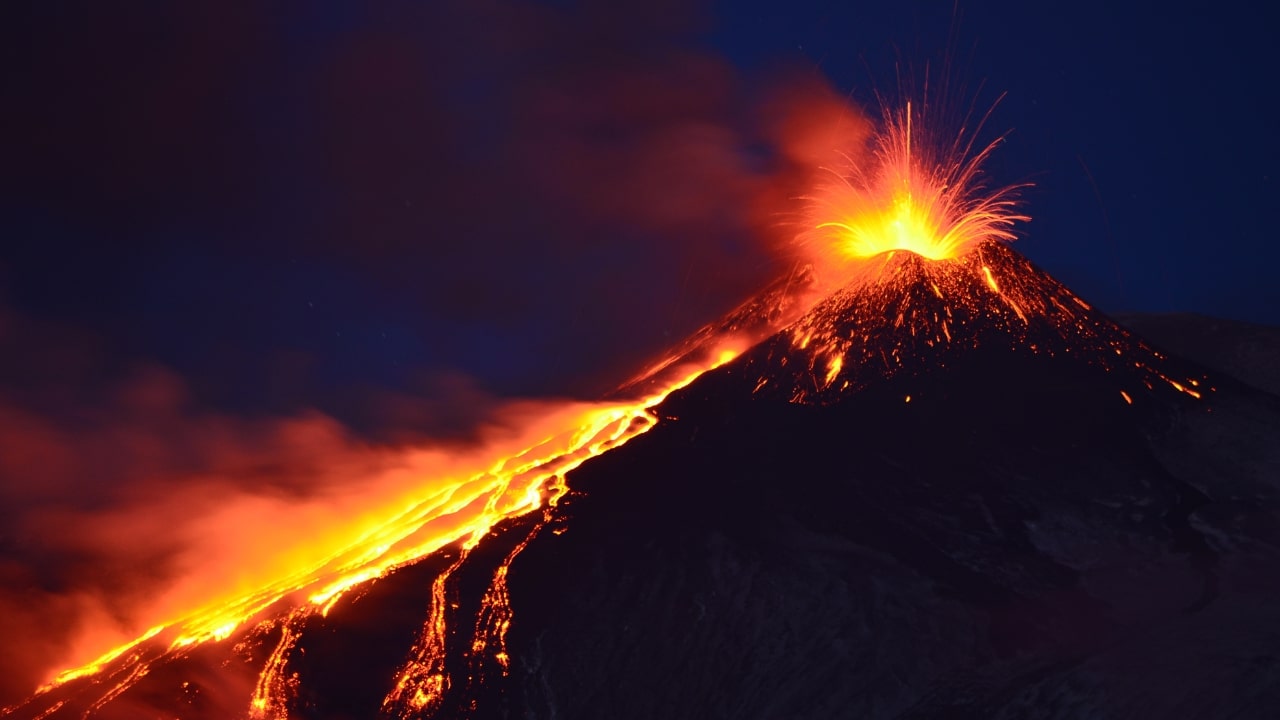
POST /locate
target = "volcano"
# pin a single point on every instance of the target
(950, 489)
(906, 314)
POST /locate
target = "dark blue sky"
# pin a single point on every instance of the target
(392, 210)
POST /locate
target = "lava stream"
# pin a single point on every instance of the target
(276, 687)
(423, 680)
(448, 512)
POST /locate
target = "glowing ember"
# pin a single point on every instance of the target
(915, 247)
(914, 194)
(905, 314)
(424, 679)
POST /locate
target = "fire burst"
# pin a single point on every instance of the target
(915, 245)
(915, 194)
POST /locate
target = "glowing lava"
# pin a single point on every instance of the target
(914, 194)
(913, 243)
(449, 511)
(916, 247)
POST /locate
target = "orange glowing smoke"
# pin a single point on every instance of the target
(415, 510)
(911, 193)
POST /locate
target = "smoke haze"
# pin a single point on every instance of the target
(275, 265)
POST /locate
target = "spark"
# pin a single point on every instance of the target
(908, 196)
(912, 214)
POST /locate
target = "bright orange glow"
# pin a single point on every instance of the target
(912, 194)
(275, 685)
(103, 660)
(423, 680)
(900, 307)
(991, 280)
(913, 243)
(410, 521)
(907, 249)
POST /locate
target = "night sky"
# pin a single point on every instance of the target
(397, 211)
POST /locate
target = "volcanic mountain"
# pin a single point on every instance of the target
(950, 489)
(907, 314)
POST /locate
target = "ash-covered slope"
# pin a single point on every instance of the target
(978, 525)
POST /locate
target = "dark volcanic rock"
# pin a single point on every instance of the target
(999, 504)
(1246, 351)
(1015, 542)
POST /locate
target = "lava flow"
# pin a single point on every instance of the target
(449, 512)
(909, 251)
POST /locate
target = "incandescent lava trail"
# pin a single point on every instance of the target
(449, 512)
(905, 265)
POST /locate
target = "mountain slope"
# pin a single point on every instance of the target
(1016, 540)
(949, 490)
(1243, 350)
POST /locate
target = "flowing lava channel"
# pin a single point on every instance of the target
(450, 512)
(914, 217)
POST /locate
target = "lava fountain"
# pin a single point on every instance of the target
(910, 254)
(916, 194)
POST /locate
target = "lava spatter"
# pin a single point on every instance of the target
(912, 248)
(914, 192)
(907, 314)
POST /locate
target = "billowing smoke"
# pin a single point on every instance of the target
(133, 508)
(532, 199)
